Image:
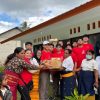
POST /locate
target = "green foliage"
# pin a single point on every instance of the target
(2, 68)
(76, 96)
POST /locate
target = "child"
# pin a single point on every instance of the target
(89, 75)
(68, 82)
(5, 93)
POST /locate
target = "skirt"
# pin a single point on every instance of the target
(12, 80)
(67, 86)
(86, 81)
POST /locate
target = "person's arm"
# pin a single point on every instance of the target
(27, 65)
(80, 68)
(96, 75)
(11, 97)
(75, 67)
(66, 63)
(34, 62)
(96, 78)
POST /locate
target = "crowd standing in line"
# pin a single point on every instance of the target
(79, 69)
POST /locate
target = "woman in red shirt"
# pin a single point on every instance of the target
(26, 83)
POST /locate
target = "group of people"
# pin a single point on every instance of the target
(80, 68)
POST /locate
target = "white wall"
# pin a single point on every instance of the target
(8, 47)
(61, 29)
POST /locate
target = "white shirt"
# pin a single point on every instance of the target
(68, 64)
(98, 61)
(34, 61)
(89, 65)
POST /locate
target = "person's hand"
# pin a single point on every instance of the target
(77, 70)
(46, 64)
(62, 68)
(41, 66)
(96, 84)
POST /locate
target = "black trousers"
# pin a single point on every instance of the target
(56, 80)
(24, 92)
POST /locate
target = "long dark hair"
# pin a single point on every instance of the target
(16, 51)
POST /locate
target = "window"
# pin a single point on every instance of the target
(99, 24)
(74, 30)
(39, 39)
(78, 29)
(49, 36)
(44, 38)
(88, 26)
(35, 40)
(70, 31)
(93, 25)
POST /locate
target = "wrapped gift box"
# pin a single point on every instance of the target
(55, 63)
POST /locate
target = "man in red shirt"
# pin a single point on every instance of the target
(86, 44)
(80, 53)
(74, 44)
(28, 45)
(59, 53)
(62, 45)
(44, 74)
(55, 74)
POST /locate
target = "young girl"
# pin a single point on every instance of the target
(89, 74)
(67, 83)
(5, 93)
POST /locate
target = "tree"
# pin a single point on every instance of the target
(24, 26)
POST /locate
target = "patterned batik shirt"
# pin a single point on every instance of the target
(17, 65)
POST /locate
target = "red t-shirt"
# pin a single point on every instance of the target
(88, 46)
(25, 75)
(46, 55)
(74, 57)
(80, 53)
(58, 55)
(55, 50)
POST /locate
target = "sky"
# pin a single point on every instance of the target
(15, 12)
